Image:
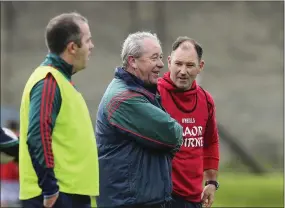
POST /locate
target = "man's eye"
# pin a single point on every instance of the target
(154, 58)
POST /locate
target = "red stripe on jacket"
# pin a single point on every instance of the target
(45, 118)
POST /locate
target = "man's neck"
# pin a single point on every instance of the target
(68, 60)
(130, 70)
(151, 87)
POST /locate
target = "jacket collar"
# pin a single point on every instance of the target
(135, 84)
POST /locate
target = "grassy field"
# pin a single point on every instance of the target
(246, 190)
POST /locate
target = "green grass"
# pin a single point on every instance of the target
(246, 190)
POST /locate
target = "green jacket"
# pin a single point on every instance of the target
(136, 139)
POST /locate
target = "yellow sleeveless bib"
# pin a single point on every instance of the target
(73, 142)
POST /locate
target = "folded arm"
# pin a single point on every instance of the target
(147, 124)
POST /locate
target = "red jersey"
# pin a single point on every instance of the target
(10, 171)
(195, 111)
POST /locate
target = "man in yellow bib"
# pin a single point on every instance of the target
(58, 153)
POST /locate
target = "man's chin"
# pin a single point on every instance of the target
(181, 87)
(80, 69)
(153, 81)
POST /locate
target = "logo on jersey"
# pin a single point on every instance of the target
(188, 120)
(193, 136)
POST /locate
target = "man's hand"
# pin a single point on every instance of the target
(50, 201)
(208, 195)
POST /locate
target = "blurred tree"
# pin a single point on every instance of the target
(236, 147)
(9, 22)
(160, 21)
(134, 16)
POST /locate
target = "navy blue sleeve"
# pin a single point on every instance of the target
(9, 145)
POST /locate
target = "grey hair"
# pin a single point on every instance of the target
(132, 45)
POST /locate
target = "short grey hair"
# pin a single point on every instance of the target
(132, 45)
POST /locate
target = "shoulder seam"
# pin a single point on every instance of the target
(115, 102)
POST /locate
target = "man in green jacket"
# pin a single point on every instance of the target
(58, 152)
(136, 137)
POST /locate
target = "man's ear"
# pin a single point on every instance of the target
(132, 62)
(72, 48)
(201, 66)
(169, 61)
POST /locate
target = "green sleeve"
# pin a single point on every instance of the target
(147, 124)
(45, 102)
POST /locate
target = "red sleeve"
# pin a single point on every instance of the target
(211, 144)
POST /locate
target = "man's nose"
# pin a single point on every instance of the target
(160, 63)
(92, 45)
(183, 70)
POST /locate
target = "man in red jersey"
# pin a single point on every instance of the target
(194, 109)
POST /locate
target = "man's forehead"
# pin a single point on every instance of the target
(84, 27)
(187, 45)
(188, 54)
(151, 45)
